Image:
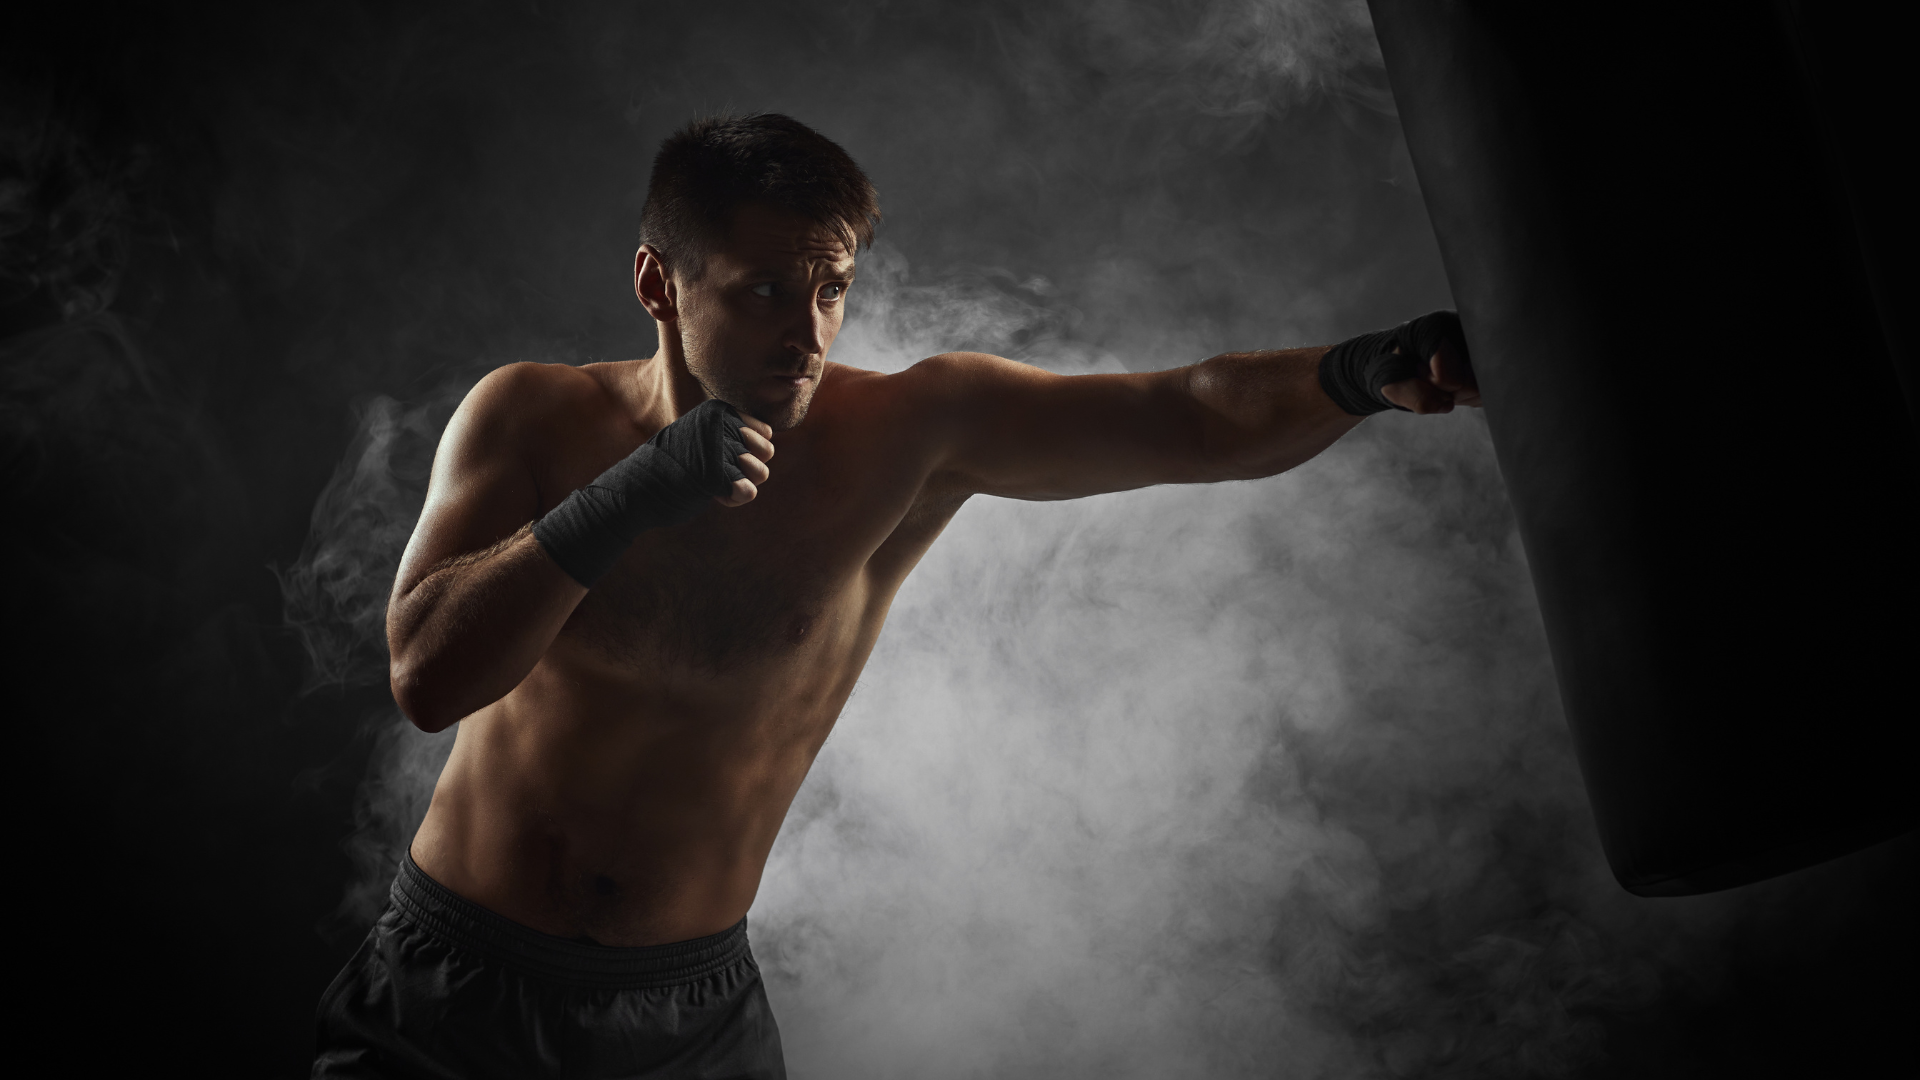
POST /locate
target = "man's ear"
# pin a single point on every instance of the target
(654, 286)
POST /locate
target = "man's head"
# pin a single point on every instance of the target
(747, 243)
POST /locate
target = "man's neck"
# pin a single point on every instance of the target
(672, 382)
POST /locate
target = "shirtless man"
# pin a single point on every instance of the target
(642, 678)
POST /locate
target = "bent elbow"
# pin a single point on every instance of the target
(417, 700)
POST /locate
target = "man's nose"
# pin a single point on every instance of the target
(807, 333)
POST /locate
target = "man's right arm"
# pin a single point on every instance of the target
(481, 593)
(477, 601)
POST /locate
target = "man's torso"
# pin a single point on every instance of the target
(630, 789)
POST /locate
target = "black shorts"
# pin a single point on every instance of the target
(445, 988)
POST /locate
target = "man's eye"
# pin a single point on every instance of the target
(832, 292)
(764, 289)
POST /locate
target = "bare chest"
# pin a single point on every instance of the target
(806, 569)
(713, 595)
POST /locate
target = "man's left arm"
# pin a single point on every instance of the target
(1016, 431)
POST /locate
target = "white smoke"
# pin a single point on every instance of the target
(1254, 779)
(336, 601)
(1235, 58)
(1141, 785)
(1182, 781)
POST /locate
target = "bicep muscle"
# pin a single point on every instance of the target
(1020, 432)
(482, 489)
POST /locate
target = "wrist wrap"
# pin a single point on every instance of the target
(666, 481)
(1355, 371)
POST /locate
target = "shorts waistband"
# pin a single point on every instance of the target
(465, 924)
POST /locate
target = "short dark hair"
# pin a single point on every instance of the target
(709, 169)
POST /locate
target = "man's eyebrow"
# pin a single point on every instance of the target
(787, 271)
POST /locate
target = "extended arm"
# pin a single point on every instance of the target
(1013, 430)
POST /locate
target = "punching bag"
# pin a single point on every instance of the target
(1682, 266)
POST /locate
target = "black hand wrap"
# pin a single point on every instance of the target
(665, 482)
(1354, 371)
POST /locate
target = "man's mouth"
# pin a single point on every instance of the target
(792, 382)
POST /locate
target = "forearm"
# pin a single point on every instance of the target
(1262, 413)
(466, 634)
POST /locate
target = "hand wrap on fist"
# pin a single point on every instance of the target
(1354, 372)
(666, 481)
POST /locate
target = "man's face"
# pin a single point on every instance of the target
(756, 326)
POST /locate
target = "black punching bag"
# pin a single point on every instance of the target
(1683, 261)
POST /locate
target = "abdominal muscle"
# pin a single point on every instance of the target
(632, 806)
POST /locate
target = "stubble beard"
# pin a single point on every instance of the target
(786, 415)
(780, 416)
(794, 411)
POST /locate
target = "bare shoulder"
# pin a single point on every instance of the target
(535, 408)
(961, 370)
(512, 421)
(947, 385)
(843, 377)
(525, 396)
(858, 393)
(491, 474)
(942, 370)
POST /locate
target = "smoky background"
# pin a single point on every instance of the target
(1255, 779)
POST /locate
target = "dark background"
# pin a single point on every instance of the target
(225, 231)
